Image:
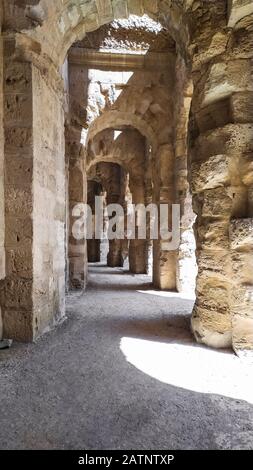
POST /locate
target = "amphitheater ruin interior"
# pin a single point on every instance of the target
(136, 100)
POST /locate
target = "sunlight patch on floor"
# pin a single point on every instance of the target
(177, 295)
(192, 367)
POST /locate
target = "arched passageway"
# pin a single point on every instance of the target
(133, 102)
(181, 63)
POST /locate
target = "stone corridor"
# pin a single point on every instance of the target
(132, 330)
(90, 385)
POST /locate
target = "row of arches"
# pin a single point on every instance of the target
(210, 72)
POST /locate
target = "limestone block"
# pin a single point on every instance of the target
(104, 8)
(88, 7)
(19, 262)
(242, 334)
(17, 108)
(223, 79)
(233, 140)
(241, 235)
(120, 9)
(213, 235)
(2, 264)
(73, 15)
(210, 174)
(213, 330)
(18, 202)
(151, 6)
(18, 324)
(247, 171)
(18, 139)
(135, 7)
(167, 275)
(242, 107)
(18, 294)
(17, 77)
(214, 115)
(213, 264)
(242, 300)
(216, 85)
(242, 318)
(240, 74)
(18, 171)
(217, 203)
(212, 297)
(60, 211)
(241, 42)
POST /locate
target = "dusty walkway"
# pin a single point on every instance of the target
(124, 372)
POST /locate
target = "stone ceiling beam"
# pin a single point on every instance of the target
(97, 59)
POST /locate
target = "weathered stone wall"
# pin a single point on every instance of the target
(111, 176)
(77, 194)
(132, 97)
(32, 295)
(2, 221)
(48, 204)
(164, 262)
(93, 245)
(16, 293)
(76, 159)
(221, 174)
(241, 245)
(186, 259)
(129, 150)
(215, 38)
(118, 97)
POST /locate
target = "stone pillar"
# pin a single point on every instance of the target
(164, 262)
(149, 241)
(77, 249)
(93, 246)
(104, 243)
(33, 292)
(148, 201)
(126, 199)
(241, 244)
(2, 208)
(17, 289)
(186, 259)
(137, 248)
(111, 178)
(222, 142)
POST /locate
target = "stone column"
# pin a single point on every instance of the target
(241, 244)
(33, 292)
(222, 142)
(2, 208)
(137, 248)
(111, 177)
(126, 198)
(164, 262)
(93, 246)
(77, 249)
(149, 241)
(186, 259)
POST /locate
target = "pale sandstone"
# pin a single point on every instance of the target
(192, 108)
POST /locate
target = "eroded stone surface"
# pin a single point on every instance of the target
(203, 67)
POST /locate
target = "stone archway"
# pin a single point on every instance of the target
(117, 120)
(217, 44)
(62, 23)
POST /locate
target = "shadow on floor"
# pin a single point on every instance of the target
(123, 372)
